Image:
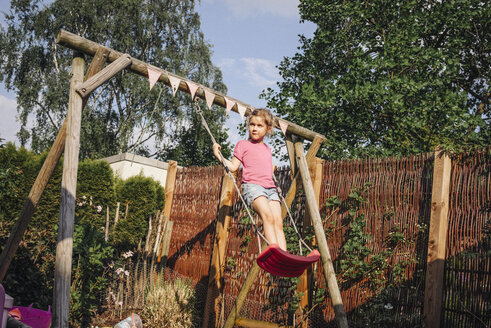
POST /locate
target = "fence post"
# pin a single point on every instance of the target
(215, 276)
(437, 240)
(170, 182)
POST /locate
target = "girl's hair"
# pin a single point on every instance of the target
(266, 115)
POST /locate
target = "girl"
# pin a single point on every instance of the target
(258, 188)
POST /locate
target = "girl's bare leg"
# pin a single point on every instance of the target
(270, 212)
(278, 223)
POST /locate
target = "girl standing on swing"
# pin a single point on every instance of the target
(258, 188)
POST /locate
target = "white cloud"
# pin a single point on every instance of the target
(260, 72)
(8, 124)
(226, 63)
(247, 8)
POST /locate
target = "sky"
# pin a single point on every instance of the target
(249, 39)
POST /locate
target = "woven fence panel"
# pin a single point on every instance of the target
(194, 210)
(398, 197)
(467, 282)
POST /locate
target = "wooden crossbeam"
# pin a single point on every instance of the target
(89, 47)
(249, 323)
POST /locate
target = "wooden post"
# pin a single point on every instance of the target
(63, 266)
(320, 235)
(305, 284)
(106, 232)
(170, 182)
(166, 237)
(215, 276)
(291, 154)
(437, 240)
(290, 195)
(116, 216)
(41, 181)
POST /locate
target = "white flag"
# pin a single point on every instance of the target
(153, 76)
(241, 110)
(193, 87)
(228, 105)
(174, 83)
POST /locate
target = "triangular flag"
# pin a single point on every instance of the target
(209, 97)
(241, 110)
(228, 105)
(192, 88)
(153, 76)
(283, 126)
(174, 83)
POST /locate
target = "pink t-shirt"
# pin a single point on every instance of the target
(257, 163)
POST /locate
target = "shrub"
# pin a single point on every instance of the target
(171, 304)
(143, 196)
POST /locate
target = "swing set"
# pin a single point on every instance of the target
(272, 259)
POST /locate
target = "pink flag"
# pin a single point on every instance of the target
(192, 88)
(153, 76)
(228, 105)
(174, 83)
(283, 126)
(241, 110)
(209, 97)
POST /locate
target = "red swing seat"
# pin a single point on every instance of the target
(281, 263)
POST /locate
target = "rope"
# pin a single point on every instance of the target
(278, 189)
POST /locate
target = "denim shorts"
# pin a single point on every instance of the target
(251, 191)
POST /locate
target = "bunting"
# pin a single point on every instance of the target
(283, 126)
(174, 83)
(192, 88)
(209, 97)
(228, 105)
(241, 110)
(153, 76)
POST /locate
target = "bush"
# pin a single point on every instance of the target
(171, 305)
(143, 196)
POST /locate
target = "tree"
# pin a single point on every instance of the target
(123, 115)
(383, 78)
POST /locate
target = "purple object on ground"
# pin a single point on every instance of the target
(35, 318)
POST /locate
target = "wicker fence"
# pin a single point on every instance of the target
(399, 196)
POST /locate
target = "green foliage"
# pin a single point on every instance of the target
(124, 114)
(95, 192)
(90, 273)
(360, 263)
(384, 78)
(31, 273)
(142, 196)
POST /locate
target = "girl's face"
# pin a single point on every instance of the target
(257, 128)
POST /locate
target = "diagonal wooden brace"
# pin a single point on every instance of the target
(107, 73)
